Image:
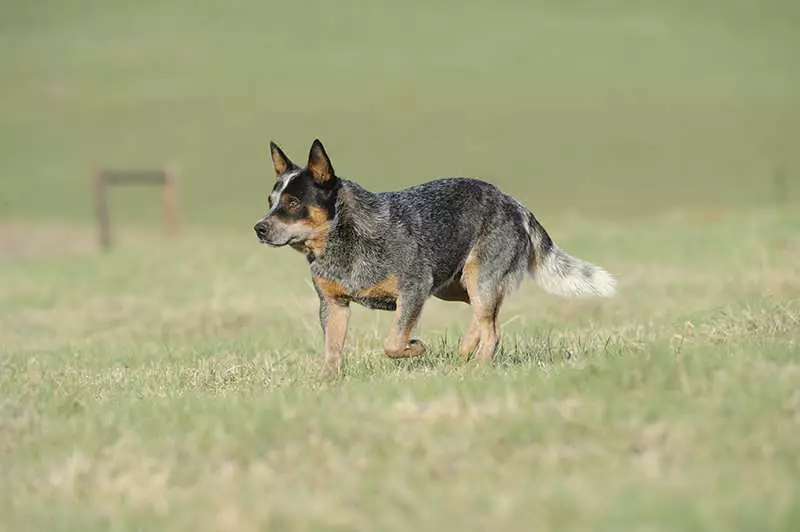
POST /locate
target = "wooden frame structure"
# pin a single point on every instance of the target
(102, 179)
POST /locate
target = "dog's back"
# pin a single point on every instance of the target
(436, 228)
(424, 231)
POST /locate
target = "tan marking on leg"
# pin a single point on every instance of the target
(335, 334)
(469, 277)
(386, 289)
(490, 333)
(470, 339)
(486, 306)
(414, 348)
(332, 290)
(399, 345)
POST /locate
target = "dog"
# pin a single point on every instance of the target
(458, 239)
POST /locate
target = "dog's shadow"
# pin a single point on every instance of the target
(541, 350)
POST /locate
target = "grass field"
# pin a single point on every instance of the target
(174, 384)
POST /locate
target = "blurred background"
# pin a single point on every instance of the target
(609, 110)
(177, 380)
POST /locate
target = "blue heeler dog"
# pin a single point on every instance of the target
(457, 239)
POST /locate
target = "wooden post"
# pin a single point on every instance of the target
(101, 210)
(166, 177)
(170, 181)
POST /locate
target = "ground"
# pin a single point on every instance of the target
(175, 383)
(180, 384)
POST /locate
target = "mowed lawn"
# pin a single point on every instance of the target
(175, 385)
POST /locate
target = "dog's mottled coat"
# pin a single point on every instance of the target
(458, 239)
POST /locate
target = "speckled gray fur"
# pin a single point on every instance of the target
(423, 235)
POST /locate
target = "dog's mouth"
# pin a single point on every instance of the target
(273, 244)
(277, 238)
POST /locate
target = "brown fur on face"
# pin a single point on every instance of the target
(319, 229)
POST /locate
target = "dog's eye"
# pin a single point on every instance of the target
(292, 203)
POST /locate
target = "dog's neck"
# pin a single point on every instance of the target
(360, 217)
(360, 211)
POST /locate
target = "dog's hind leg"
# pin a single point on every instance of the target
(490, 329)
(399, 343)
(471, 338)
(485, 299)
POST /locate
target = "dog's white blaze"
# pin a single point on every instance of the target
(276, 196)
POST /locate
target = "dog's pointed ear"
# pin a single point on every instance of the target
(319, 164)
(280, 161)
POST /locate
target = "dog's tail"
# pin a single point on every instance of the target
(561, 274)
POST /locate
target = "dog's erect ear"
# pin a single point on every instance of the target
(280, 161)
(319, 164)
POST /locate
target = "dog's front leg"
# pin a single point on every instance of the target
(334, 316)
(399, 343)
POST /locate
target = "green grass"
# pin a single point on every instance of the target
(176, 384)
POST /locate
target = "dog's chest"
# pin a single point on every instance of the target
(378, 294)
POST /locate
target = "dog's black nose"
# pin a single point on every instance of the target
(261, 229)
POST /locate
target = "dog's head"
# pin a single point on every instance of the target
(302, 201)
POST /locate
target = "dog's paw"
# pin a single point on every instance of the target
(415, 348)
(331, 369)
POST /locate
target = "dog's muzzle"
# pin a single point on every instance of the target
(262, 232)
(266, 235)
